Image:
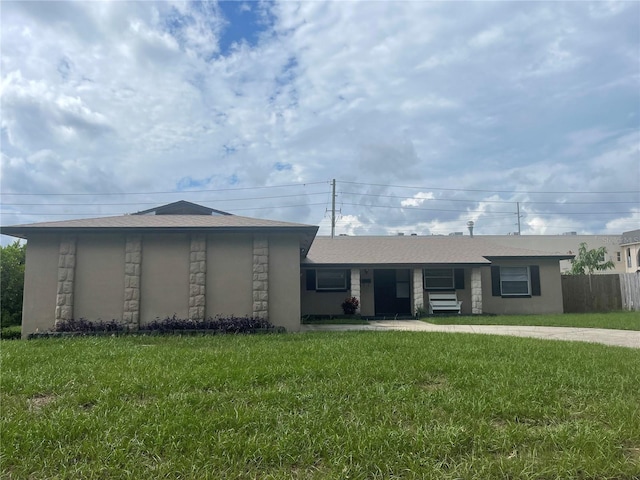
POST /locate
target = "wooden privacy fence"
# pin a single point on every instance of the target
(601, 293)
(630, 288)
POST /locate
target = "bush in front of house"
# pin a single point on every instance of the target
(350, 305)
(169, 325)
(218, 323)
(83, 325)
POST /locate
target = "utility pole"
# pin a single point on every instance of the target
(333, 208)
(518, 213)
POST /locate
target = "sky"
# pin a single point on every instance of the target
(427, 114)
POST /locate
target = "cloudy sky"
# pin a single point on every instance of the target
(427, 114)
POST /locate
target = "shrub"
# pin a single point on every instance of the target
(219, 324)
(350, 305)
(84, 325)
(11, 333)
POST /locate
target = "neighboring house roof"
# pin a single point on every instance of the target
(631, 237)
(405, 250)
(166, 223)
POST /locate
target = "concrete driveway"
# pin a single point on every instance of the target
(620, 338)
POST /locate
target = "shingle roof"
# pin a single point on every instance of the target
(155, 221)
(404, 250)
(630, 237)
(166, 223)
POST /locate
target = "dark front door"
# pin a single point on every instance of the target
(391, 292)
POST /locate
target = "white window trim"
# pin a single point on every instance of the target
(453, 279)
(518, 294)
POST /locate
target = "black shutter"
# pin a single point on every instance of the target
(495, 281)
(458, 278)
(535, 280)
(311, 279)
(348, 277)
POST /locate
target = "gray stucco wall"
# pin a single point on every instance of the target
(284, 281)
(550, 300)
(229, 275)
(99, 277)
(40, 284)
(164, 286)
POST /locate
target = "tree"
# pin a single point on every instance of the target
(589, 261)
(11, 283)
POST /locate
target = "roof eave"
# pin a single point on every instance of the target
(492, 258)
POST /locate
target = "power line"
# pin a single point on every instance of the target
(487, 191)
(125, 213)
(182, 192)
(155, 203)
(483, 201)
(481, 211)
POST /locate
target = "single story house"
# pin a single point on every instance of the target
(196, 262)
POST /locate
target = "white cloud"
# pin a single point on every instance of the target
(485, 99)
(417, 200)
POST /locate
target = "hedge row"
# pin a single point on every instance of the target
(169, 325)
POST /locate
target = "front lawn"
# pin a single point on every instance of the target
(616, 320)
(329, 405)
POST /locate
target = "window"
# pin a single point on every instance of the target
(514, 281)
(618, 256)
(438, 279)
(443, 278)
(331, 279)
(520, 281)
(629, 265)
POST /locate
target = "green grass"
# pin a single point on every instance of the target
(616, 320)
(359, 405)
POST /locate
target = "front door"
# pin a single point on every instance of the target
(391, 292)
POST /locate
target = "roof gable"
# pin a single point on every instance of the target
(181, 207)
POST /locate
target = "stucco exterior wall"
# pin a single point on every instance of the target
(321, 303)
(284, 281)
(229, 275)
(164, 288)
(99, 277)
(40, 284)
(367, 305)
(549, 301)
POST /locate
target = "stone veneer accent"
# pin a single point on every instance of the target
(197, 277)
(418, 290)
(355, 286)
(132, 273)
(66, 278)
(476, 291)
(260, 277)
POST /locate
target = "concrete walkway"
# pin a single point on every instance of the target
(620, 338)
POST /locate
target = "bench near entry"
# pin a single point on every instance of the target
(444, 302)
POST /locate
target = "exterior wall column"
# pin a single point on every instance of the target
(355, 285)
(418, 290)
(66, 279)
(261, 277)
(197, 277)
(132, 273)
(476, 291)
